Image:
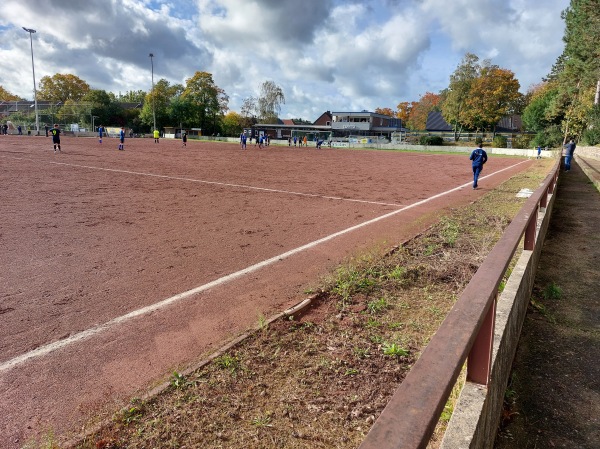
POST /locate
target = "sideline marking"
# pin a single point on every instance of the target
(84, 335)
(222, 184)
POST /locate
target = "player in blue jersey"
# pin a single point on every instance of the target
(100, 133)
(479, 157)
(122, 139)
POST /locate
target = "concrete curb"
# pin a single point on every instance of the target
(477, 413)
(591, 172)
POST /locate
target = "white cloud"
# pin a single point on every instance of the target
(325, 54)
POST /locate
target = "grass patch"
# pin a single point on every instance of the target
(552, 291)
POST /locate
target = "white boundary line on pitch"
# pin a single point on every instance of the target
(84, 335)
(223, 184)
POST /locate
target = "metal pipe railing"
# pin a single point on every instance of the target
(409, 419)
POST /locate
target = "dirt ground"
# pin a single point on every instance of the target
(95, 234)
(319, 379)
(553, 400)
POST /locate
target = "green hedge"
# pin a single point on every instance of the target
(431, 140)
(500, 142)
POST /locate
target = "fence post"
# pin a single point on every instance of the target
(530, 231)
(544, 199)
(479, 361)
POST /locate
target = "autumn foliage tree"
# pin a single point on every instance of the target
(403, 111)
(490, 98)
(457, 94)
(420, 110)
(385, 111)
(7, 96)
(62, 87)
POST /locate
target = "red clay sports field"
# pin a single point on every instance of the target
(118, 267)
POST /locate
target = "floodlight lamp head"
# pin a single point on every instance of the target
(29, 30)
(151, 55)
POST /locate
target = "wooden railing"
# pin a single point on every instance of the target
(409, 419)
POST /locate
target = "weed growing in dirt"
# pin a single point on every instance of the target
(377, 306)
(393, 350)
(228, 362)
(552, 291)
(263, 323)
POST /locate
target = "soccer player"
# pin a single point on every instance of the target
(479, 157)
(184, 139)
(243, 141)
(122, 138)
(56, 138)
(156, 135)
(100, 133)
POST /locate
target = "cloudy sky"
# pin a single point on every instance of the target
(342, 55)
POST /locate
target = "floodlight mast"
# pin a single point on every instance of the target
(37, 118)
(153, 99)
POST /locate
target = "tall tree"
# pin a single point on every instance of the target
(62, 87)
(404, 109)
(209, 100)
(232, 124)
(7, 96)
(248, 111)
(385, 111)
(579, 65)
(455, 104)
(538, 114)
(491, 96)
(132, 96)
(181, 111)
(269, 102)
(157, 102)
(421, 109)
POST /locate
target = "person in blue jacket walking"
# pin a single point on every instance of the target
(479, 157)
(569, 154)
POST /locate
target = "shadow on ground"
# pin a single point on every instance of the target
(553, 398)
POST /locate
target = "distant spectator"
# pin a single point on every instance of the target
(570, 147)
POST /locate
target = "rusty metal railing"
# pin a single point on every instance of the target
(409, 419)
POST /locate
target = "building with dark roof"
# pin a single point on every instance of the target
(507, 124)
(333, 124)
